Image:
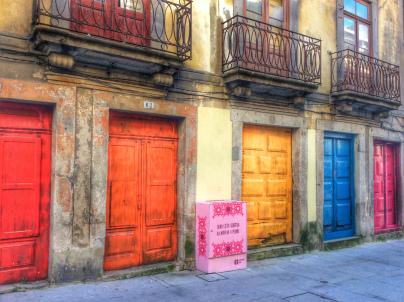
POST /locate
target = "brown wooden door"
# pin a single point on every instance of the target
(123, 239)
(121, 20)
(25, 160)
(267, 184)
(141, 201)
(160, 240)
(267, 46)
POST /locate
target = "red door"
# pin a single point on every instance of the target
(385, 186)
(25, 148)
(141, 201)
(121, 20)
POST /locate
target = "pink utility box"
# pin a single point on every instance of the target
(221, 236)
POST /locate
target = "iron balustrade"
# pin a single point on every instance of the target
(256, 46)
(359, 73)
(156, 24)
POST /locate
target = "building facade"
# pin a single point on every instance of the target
(116, 116)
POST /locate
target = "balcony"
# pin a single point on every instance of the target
(261, 58)
(146, 36)
(361, 83)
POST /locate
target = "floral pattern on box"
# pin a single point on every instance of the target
(227, 248)
(202, 236)
(227, 209)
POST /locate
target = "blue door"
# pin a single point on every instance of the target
(339, 202)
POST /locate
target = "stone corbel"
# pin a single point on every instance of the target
(299, 101)
(163, 79)
(381, 115)
(240, 91)
(61, 60)
(344, 107)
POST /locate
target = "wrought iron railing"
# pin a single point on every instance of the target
(362, 74)
(163, 25)
(256, 46)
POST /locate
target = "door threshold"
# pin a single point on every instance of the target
(342, 239)
(341, 243)
(391, 234)
(22, 286)
(274, 251)
(138, 271)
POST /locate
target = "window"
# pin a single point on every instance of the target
(135, 5)
(357, 26)
(273, 12)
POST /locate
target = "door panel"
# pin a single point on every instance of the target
(122, 247)
(160, 216)
(24, 192)
(267, 184)
(328, 184)
(141, 209)
(385, 186)
(391, 215)
(338, 186)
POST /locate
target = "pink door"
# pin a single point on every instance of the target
(385, 186)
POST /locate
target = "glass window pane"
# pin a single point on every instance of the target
(349, 33)
(136, 5)
(363, 36)
(254, 6)
(362, 10)
(276, 12)
(349, 6)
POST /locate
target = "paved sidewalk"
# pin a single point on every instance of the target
(371, 272)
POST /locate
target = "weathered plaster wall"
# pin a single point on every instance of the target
(311, 175)
(16, 17)
(389, 32)
(318, 20)
(201, 35)
(214, 154)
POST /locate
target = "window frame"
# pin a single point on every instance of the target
(265, 15)
(358, 20)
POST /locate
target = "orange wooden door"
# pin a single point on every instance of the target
(267, 184)
(160, 234)
(25, 160)
(141, 201)
(123, 239)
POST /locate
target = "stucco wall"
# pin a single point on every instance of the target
(318, 20)
(214, 154)
(16, 17)
(389, 33)
(201, 35)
